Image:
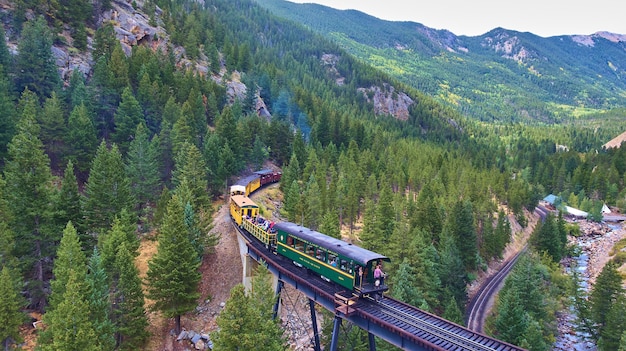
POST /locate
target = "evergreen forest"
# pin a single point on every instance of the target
(143, 140)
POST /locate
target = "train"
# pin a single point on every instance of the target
(337, 261)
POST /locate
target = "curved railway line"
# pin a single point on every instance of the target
(478, 306)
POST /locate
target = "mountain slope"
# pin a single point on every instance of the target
(501, 75)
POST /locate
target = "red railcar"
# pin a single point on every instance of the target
(268, 176)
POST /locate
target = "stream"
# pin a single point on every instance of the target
(569, 337)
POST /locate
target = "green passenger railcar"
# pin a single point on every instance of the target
(345, 264)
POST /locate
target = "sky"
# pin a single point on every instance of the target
(475, 17)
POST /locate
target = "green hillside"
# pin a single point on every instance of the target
(122, 123)
(499, 76)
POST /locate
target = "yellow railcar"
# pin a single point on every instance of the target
(241, 206)
(251, 183)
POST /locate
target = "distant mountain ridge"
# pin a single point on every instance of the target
(501, 75)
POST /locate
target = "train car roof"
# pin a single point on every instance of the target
(265, 172)
(234, 188)
(243, 201)
(356, 253)
(244, 181)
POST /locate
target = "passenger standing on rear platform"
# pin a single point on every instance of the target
(379, 276)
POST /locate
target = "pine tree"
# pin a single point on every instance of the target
(527, 281)
(546, 237)
(190, 166)
(108, 191)
(605, 292)
(372, 235)
(70, 259)
(290, 173)
(404, 288)
(452, 312)
(80, 138)
(7, 112)
(197, 112)
(232, 334)
(105, 97)
(127, 116)
(259, 153)
(385, 211)
(330, 225)
(69, 326)
(210, 152)
(533, 338)
(451, 270)
(142, 167)
(227, 163)
(182, 131)
(122, 232)
(423, 261)
(462, 227)
(262, 300)
(226, 129)
(52, 130)
(131, 320)
(104, 41)
(118, 66)
(11, 302)
(622, 343)
(615, 325)
(293, 203)
(35, 63)
(511, 321)
(69, 202)
(502, 233)
(313, 203)
(146, 98)
(173, 274)
(27, 173)
(99, 303)
(246, 322)
(6, 59)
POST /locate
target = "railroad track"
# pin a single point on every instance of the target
(437, 332)
(478, 305)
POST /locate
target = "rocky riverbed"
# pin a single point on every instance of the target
(596, 242)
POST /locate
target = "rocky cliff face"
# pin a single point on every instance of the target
(386, 100)
(132, 27)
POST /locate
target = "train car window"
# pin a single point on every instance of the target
(320, 254)
(332, 259)
(343, 265)
(299, 245)
(311, 250)
(290, 241)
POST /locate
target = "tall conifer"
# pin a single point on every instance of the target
(69, 326)
(11, 315)
(173, 275)
(70, 258)
(99, 302)
(108, 190)
(35, 63)
(142, 167)
(27, 173)
(81, 138)
(130, 314)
